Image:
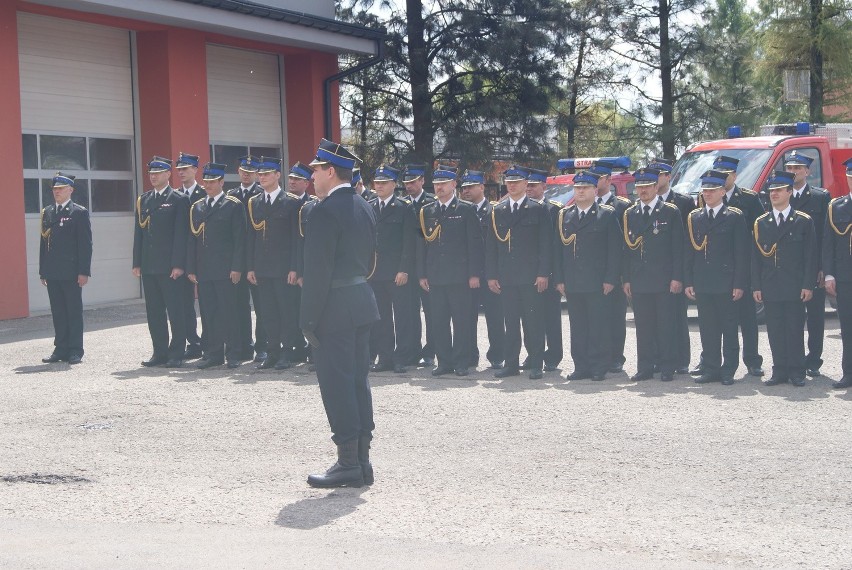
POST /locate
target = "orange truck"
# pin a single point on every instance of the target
(829, 145)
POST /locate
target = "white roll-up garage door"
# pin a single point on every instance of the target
(245, 108)
(77, 116)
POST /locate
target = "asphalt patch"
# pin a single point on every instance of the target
(44, 479)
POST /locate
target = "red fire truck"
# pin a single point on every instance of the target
(560, 188)
(829, 145)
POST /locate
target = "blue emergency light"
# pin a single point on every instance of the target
(803, 128)
(735, 132)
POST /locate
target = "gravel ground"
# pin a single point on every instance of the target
(109, 464)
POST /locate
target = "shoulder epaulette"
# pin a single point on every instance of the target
(198, 201)
(749, 192)
(292, 195)
(403, 199)
(735, 209)
(803, 214)
(670, 205)
(233, 199)
(537, 201)
(494, 202)
(312, 197)
(557, 204)
(81, 206)
(465, 202)
(833, 200)
(624, 199)
(762, 216)
(697, 211)
(606, 207)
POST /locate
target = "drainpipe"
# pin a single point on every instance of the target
(380, 55)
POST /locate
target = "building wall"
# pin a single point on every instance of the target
(171, 110)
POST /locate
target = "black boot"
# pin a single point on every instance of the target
(364, 458)
(345, 473)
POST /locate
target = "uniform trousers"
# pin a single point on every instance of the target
(590, 334)
(656, 318)
(343, 363)
(190, 321)
(523, 304)
(553, 326)
(717, 320)
(616, 315)
(682, 332)
(748, 326)
(451, 303)
(164, 307)
(493, 309)
(844, 313)
(393, 337)
(66, 308)
(816, 328)
(282, 324)
(247, 294)
(785, 326)
(217, 301)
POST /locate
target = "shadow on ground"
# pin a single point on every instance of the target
(315, 512)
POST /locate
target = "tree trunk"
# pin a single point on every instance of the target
(571, 134)
(418, 69)
(667, 103)
(815, 103)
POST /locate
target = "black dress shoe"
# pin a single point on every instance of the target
(282, 364)
(727, 380)
(208, 363)
(155, 361)
(441, 370)
(55, 358)
(844, 382)
(524, 365)
(697, 371)
(813, 372)
(639, 376)
(75, 359)
(535, 374)
(755, 371)
(193, 351)
(616, 368)
(774, 381)
(579, 376)
(267, 364)
(427, 361)
(400, 369)
(797, 382)
(507, 372)
(707, 379)
(667, 376)
(234, 364)
(260, 356)
(597, 377)
(549, 367)
(173, 363)
(381, 367)
(656, 369)
(496, 365)
(682, 370)
(461, 372)
(247, 355)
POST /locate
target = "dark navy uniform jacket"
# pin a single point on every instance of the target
(784, 259)
(217, 244)
(273, 235)
(518, 248)
(396, 236)
(717, 255)
(66, 243)
(837, 239)
(593, 255)
(654, 254)
(453, 249)
(340, 245)
(161, 231)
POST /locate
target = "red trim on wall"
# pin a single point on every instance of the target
(14, 302)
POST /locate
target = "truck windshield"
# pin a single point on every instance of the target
(688, 170)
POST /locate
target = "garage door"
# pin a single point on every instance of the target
(77, 116)
(245, 109)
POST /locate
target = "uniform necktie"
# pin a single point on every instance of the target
(268, 200)
(582, 215)
(724, 200)
(443, 208)
(600, 200)
(209, 202)
(647, 212)
(711, 215)
(515, 208)
(381, 206)
(780, 219)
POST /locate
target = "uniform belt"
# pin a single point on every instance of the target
(347, 281)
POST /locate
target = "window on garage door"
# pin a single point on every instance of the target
(230, 154)
(103, 167)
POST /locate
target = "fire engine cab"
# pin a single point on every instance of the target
(560, 188)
